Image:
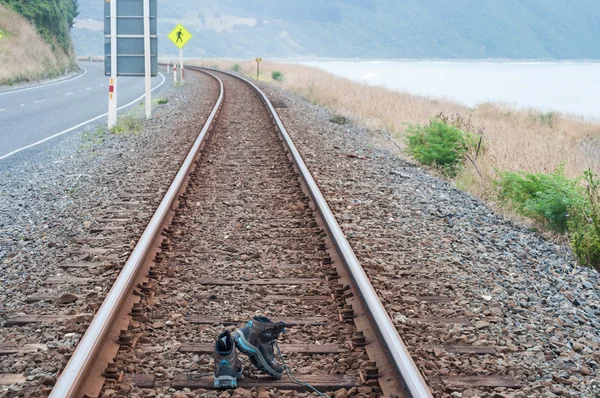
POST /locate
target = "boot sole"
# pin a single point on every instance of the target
(259, 360)
(227, 382)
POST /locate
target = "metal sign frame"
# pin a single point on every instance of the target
(130, 38)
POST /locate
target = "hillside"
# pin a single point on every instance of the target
(548, 29)
(31, 51)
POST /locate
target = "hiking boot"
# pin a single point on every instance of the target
(256, 340)
(228, 368)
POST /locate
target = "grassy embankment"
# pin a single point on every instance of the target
(25, 55)
(528, 163)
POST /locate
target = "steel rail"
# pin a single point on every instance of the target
(413, 381)
(71, 379)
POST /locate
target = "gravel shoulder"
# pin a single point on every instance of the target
(70, 216)
(417, 237)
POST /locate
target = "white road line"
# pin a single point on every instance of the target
(89, 88)
(38, 101)
(2, 110)
(81, 124)
(71, 93)
(45, 85)
(101, 84)
(22, 104)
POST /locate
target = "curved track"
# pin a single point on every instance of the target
(242, 230)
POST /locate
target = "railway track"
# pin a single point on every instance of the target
(242, 231)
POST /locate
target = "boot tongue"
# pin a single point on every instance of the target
(222, 344)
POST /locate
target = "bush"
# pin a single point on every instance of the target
(52, 18)
(584, 224)
(547, 198)
(440, 144)
(163, 101)
(277, 75)
(236, 68)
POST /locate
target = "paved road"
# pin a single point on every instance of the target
(32, 114)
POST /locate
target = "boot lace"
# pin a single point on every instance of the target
(291, 375)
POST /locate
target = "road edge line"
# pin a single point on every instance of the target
(80, 124)
(45, 84)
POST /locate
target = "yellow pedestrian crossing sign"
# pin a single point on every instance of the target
(179, 36)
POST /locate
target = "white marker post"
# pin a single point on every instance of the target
(112, 96)
(147, 59)
(181, 64)
(175, 73)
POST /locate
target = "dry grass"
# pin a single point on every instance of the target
(24, 55)
(514, 139)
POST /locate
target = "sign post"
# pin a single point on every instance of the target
(258, 61)
(179, 36)
(112, 88)
(147, 59)
(131, 46)
(181, 65)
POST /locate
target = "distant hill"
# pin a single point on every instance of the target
(34, 51)
(540, 29)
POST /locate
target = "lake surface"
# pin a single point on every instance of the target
(568, 87)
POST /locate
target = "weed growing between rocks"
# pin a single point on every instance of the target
(339, 119)
(162, 101)
(127, 124)
(90, 139)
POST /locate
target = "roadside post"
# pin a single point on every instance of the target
(174, 73)
(147, 59)
(112, 87)
(258, 61)
(180, 36)
(131, 47)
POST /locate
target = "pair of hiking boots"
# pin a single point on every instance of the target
(256, 340)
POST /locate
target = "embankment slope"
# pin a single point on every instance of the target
(24, 54)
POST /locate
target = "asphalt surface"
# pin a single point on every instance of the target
(31, 114)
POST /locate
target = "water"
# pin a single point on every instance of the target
(567, 87)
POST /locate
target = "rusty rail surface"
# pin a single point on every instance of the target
(72, 379)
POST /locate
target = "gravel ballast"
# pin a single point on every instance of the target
(448, 270)
(69, 217)
(417, 236)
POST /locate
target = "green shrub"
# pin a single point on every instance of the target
(52, 18)
(277, 75)
(236, 68)
(440, 145)
(547, 198)
(584, 224)
(163, 101)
